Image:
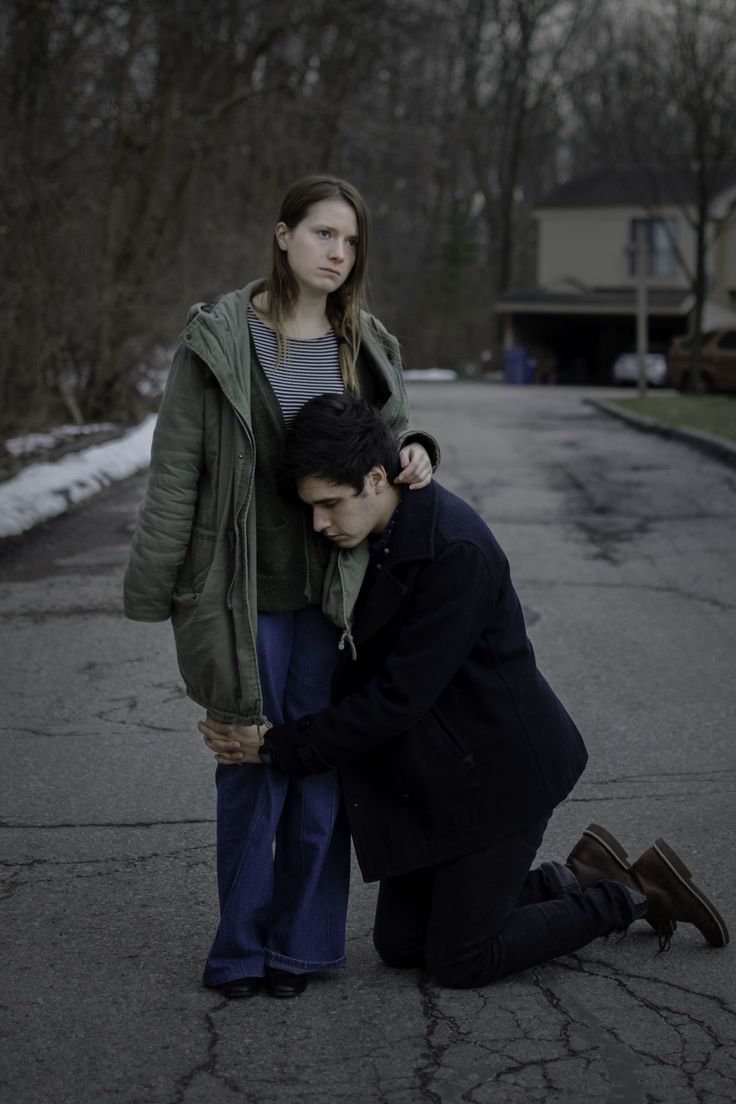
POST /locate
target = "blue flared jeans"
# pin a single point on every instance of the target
(283, 846)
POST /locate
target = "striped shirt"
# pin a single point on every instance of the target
(311, 367)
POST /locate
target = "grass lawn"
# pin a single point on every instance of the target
(715, 414)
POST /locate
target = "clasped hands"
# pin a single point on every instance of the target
(233, 744)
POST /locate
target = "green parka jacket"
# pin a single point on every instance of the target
(193, 557)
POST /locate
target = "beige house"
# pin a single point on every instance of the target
(582, 313)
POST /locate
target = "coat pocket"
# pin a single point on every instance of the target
(452, 740)
(200, 554)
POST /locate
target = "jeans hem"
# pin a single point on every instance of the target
(210, 983)
(212, 978)
(298, 965)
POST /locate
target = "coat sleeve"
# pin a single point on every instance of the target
(166, 516)
(448, 610)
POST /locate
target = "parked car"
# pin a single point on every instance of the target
(626, 369)
(717, 360)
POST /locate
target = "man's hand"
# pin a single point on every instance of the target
(416, 467)
(232, 744)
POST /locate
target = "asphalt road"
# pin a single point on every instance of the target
(622, 549)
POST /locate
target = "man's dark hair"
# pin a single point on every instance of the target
(338, 438)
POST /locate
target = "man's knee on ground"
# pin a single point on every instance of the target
(451, 971)
(395, 954)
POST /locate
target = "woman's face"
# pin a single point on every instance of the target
(321, 249)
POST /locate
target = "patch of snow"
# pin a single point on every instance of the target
(45, 490)
(430, 374)
(33, 442)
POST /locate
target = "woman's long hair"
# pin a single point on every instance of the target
(344, 304)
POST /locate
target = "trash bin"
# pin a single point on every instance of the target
(518, 366)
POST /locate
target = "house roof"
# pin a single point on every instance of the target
(624, 185)
(618, 301)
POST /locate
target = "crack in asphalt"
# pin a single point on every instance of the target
(630, 586)
(29, 864)
(431, 1060)
(208, 1065)
(27, 825)
(679, 1018)
(584, 1037)
(12, 880)
(667, 795)
(675, 784)
(606, 520)
(597, 967)
(617, 1058)
(689, 775)
(83, 733)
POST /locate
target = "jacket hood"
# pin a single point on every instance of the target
(212, 328)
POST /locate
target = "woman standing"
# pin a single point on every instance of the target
(258, 602)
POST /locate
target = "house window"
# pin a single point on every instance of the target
(660, 236)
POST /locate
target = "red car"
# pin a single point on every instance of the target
(717, 362)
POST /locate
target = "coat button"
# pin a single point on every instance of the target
(304, 753)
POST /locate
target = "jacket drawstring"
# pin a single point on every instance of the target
(347, 636)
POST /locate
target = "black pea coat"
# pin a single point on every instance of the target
(446, 736)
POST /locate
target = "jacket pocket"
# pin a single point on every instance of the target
(200, 554)
(455, 744)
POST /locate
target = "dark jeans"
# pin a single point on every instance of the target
(485, 915)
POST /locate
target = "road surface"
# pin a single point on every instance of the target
(622, 550)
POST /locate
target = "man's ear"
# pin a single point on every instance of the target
(377, 478)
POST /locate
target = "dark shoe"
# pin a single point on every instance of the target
(599, 857)
(282, 984)
(241, 987)
(663, 877)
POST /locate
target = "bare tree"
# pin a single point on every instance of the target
(659, 100)
(517, 58)
(144, 142)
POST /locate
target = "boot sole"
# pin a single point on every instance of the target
(681, 872)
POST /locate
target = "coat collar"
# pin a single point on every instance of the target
(413, 537)
(413, 540)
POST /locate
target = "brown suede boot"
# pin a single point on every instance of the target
(599, 857)
(661, 875)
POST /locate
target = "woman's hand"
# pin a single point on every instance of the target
(232, 744)
(416, 467)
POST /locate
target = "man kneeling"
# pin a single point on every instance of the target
(452, 749)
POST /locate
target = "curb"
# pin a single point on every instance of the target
(703, 442)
